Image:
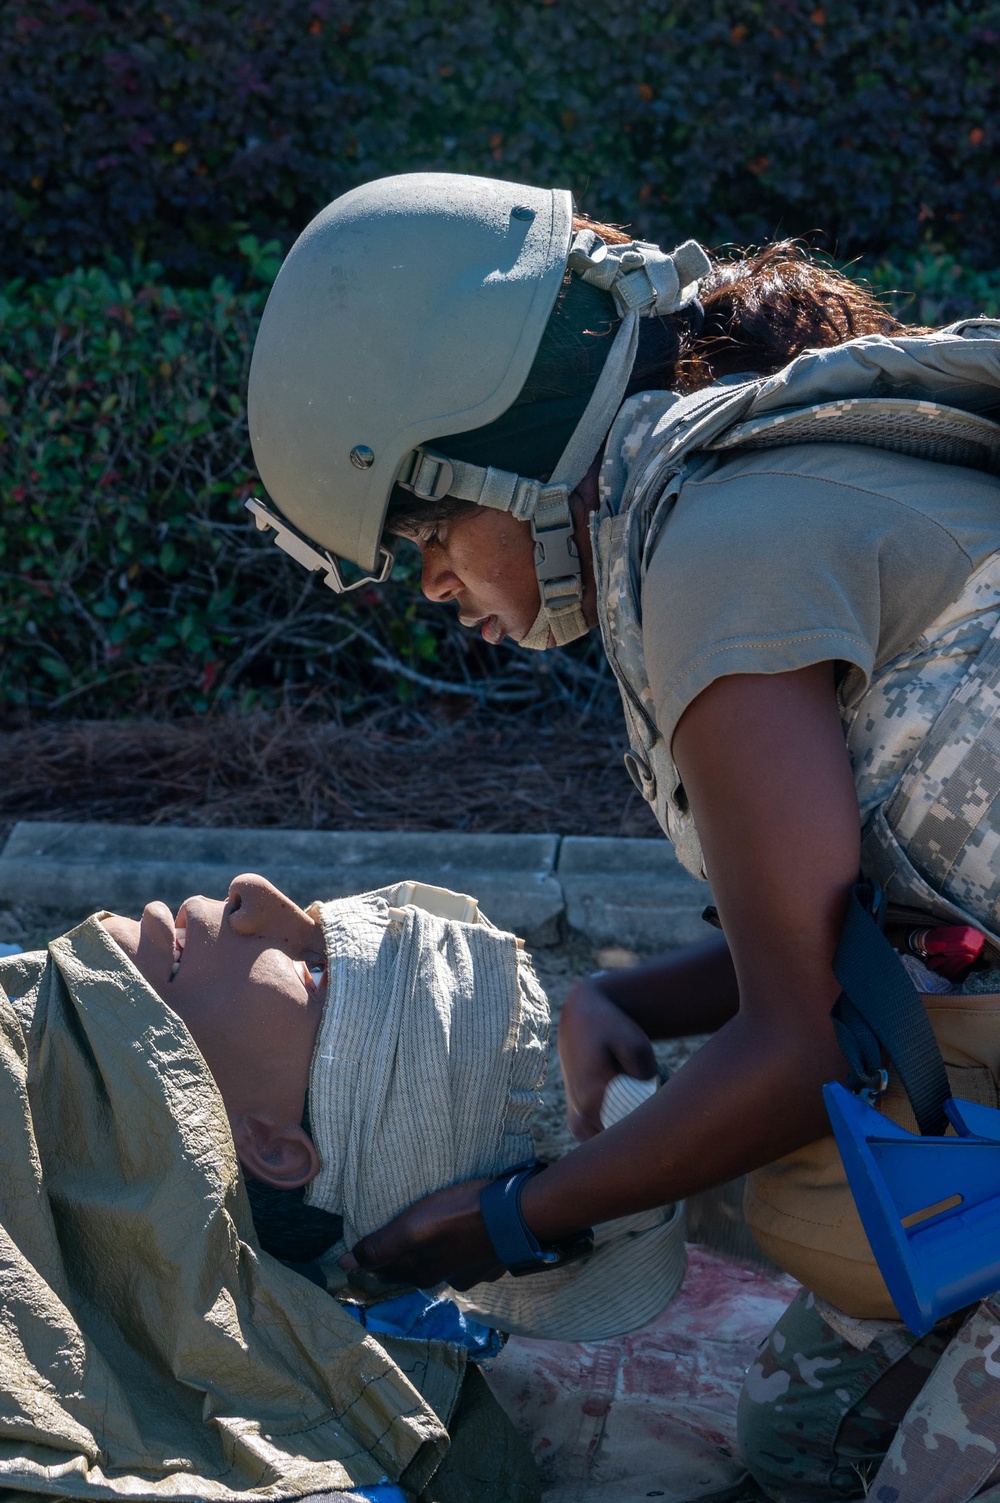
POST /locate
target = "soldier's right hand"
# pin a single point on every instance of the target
(597, 1041)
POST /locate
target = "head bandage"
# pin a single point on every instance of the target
(425, 1073)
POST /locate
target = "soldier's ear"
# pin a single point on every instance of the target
(279, 1154)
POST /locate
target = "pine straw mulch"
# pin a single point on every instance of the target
(485, 771)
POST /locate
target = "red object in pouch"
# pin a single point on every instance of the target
(950, 949)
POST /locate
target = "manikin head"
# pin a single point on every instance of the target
(247, 977)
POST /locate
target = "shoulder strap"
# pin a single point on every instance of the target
(880, 1006)
(920, 428)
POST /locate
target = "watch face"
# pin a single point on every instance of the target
(569, 1250)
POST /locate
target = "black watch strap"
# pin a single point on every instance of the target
(514, 1243)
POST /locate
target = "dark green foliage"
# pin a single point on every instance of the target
(171, 129)
(195, 140)
(131, 577)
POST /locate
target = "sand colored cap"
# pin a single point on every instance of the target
(410, 308)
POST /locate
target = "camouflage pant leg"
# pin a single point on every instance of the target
(947, 1449)
(816, 1415)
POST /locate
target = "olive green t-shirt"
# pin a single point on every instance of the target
(775, 559)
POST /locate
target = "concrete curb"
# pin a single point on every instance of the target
(626, 892)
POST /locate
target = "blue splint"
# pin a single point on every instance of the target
(930, 1206)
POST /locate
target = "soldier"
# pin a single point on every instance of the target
(781, 508)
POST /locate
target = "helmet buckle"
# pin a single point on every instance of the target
(428, 475)
(556, 553)
(635, 288)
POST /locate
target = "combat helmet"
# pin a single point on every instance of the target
(412, 308)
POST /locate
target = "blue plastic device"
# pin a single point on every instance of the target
(930, 1206)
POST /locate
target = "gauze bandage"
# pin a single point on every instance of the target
(426, 1072)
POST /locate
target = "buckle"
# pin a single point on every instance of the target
(426, 474)
(636, 289)
(876, 1086)
(560, 594)
(556, 553)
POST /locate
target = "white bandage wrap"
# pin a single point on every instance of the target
(425, 1072)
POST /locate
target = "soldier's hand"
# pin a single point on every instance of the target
(439, 1239)
(597, 1041)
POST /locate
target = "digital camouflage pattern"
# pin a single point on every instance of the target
(638, 484)
(819, 1412)
(925, 742)
(947, 1448)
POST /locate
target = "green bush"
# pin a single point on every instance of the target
(170, 128)
(935, 287)
(131, 578)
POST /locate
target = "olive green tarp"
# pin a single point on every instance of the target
(148, 1348)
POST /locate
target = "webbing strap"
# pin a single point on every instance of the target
(431, 476)
(880, 1003)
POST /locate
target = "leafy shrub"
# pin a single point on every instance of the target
(935, 287)
(171, 128)
(130, 576)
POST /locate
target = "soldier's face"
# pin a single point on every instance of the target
(484, 561)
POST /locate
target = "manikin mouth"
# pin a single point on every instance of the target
(180, 940)
(312, 976)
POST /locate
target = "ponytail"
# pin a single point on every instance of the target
(761, 309)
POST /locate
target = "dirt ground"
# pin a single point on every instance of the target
(475, 771)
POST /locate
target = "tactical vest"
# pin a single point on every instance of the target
(934, 397)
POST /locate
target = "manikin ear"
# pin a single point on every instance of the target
(284, 1156)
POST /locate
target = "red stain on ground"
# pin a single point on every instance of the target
(660, 1402)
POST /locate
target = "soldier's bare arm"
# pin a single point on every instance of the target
(769, 782)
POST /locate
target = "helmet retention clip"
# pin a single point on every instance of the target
(303, 552)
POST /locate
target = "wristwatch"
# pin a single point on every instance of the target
(514, 1243)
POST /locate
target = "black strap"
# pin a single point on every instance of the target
(880, 1005)
(514, 1243)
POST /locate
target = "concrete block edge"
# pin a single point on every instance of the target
(608, 889)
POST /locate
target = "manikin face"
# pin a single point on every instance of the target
(247, 977)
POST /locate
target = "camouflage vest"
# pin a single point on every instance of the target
(919, 395)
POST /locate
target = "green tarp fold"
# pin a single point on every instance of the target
(148, 1348)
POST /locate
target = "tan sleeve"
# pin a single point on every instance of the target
(766, 567)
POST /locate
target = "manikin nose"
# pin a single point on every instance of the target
(256, 906)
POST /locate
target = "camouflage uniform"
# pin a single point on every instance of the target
(822, 1409)
(924, 735)
(836, 1407)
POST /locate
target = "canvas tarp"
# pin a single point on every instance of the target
(148, 1349)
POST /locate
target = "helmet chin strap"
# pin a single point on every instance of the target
(539, 632)
(564, 626)
(644, 281)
